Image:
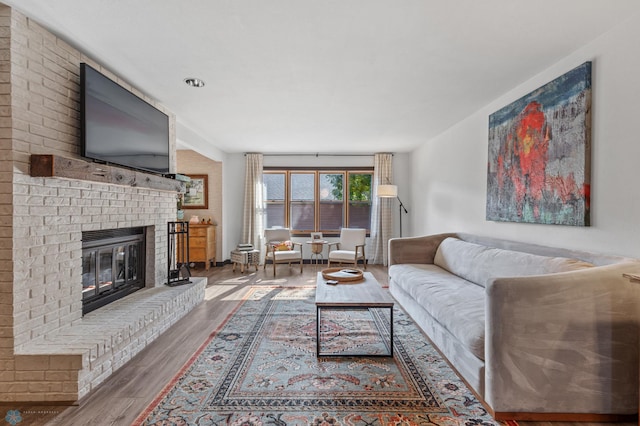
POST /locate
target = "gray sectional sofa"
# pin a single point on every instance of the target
(538, 332)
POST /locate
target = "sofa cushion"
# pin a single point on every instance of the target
(480, 264)
(455, 303)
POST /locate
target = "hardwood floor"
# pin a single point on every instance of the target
(124, 395)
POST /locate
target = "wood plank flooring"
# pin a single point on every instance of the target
(124, 395)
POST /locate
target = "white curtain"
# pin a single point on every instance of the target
(381, 210)
(253, 214)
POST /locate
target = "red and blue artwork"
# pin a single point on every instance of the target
(539, 154)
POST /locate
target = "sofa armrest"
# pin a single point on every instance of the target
(415, 249)
(567, 342)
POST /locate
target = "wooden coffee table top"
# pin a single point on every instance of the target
(366, 293)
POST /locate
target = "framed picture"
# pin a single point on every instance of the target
(197, 194)
(540, 154)
(316, 236)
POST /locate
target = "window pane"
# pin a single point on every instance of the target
(303, 201)
(275, 215)
(273, 186)
(360, 200)
(359, 214)
(302, 187)
(331, 213)
(302, 217)
(360, 187)
(331, 186)
(274, 194)
(331, 201)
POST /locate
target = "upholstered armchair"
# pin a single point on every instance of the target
(350, 248)
(280, 248)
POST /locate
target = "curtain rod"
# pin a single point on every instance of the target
(317, 154)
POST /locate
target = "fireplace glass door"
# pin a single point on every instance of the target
(111, 268)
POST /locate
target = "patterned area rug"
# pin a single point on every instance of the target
(260, 368)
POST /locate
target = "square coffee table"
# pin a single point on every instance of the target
(361, 295)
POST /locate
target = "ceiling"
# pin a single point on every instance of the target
(328, 76)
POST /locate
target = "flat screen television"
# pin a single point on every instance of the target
(118, 127)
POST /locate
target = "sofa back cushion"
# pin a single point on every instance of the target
(480, 264)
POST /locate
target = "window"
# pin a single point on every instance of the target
(318, 200)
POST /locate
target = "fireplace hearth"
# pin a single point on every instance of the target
(113, 265)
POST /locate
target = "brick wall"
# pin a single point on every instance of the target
(42, 218)
(6, 204)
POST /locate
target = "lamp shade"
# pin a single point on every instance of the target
(387, 191)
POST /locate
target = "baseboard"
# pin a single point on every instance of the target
(22, 404)
(304, 261)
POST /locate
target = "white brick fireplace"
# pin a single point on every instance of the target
(48, 351)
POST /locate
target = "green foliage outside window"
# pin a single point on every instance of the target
(359, 186)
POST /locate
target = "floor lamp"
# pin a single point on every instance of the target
(391, 191)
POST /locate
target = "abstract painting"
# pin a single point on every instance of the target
(539, 154)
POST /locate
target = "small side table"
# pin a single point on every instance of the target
(245, 258)
(317, 248)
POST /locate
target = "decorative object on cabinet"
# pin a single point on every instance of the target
(178, 271)
(202, 244)
(197, 195)
(539, 154)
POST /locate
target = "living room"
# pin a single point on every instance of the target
(442, 179)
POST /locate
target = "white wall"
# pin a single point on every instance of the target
(449, 173)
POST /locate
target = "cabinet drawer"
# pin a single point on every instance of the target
(197, 242)
(198, 232)
(197, 254)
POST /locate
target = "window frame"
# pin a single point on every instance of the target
(345, 171)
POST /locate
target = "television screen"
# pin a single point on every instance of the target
(120, 128)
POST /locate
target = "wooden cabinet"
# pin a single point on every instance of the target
(202, 244)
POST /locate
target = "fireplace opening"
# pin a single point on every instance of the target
(112, 265)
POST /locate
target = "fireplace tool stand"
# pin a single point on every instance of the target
(178, 271)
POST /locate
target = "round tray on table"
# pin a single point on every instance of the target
(334, 274)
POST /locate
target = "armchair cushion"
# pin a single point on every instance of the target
(345, 255)
(283, 246)
(350, 238)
